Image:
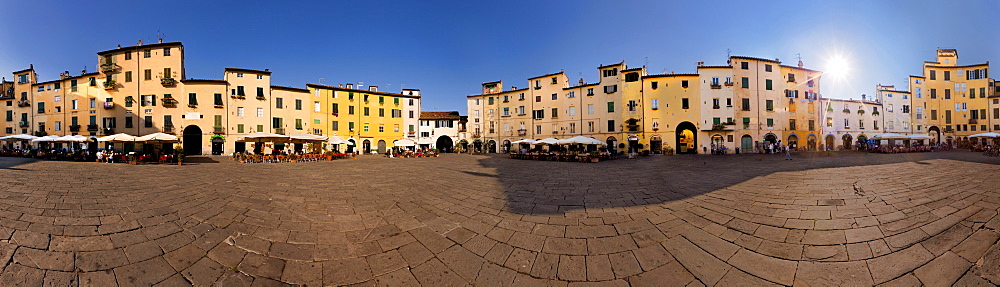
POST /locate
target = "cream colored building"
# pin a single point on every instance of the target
(847, 121)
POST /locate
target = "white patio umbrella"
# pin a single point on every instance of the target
(335, 140)
(263, 137)
(547, 141)
(919, 137)
(157, 137)
(306, 138)
(20, 137)
(403, 142)
(73, 138)
(986, 135)
(524, 141)
(890, 136)
(117, 138)
(425, 141)
(45, 139)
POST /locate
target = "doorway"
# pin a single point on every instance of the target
(366, 146)
(444, 144)
(746, 144)
(656, 144)
(192, 140)
(218, 145)
(381, 146)
(686, 141)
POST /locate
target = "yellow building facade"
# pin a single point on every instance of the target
(143, 89)
(953, 99)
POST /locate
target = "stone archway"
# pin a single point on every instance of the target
(686, 140)
(444, 144)
(792, 142)
(935, 134)
(656, 144)
(847, 139)
(381, 147)
(192, 140)
(491, 146)
(746, 144)
(830, 142)
(811, 142)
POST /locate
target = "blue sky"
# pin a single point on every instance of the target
(447, 49)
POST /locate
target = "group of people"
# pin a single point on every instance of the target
(419, 152)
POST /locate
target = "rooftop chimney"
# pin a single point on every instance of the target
(140, 43)
(160, 41)
(350, 86)
(341, 85)
(800, 64)
(119, 46)
(701, 64)
(581, 81)
(373, 88)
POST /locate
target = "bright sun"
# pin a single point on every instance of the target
(836, 67)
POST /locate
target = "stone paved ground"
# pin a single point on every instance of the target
(486, 220)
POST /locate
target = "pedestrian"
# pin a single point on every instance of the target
(788, 153)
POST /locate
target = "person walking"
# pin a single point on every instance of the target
(788, 153)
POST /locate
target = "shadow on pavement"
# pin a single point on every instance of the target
(543, 187)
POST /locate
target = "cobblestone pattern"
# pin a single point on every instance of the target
(483, 220)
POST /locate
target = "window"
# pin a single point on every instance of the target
(93, 103)
(350, 110)
(829, 122)
(934, 115)
(715, 104)
(128, 122)
(715, 81)
(631, 77)
(947, 75)
(147, 74)
(791, 77)
(685, 103)
(279, 103)
(611, 107)
(74, 104)
(590, 92)
(791, 124)
(538, 114)
(239, 111)
(610, 89)
(260, 92)
(745, 65)
(729, 102)
(538, 129)
(192, 98)
(611, 125)
(767, 85)
(148, 121)
(571, 111)
(654, 104)
(746, 104)
(933, 75)
(745, 82)
(590, 109)
(128, 56)
(239, 75)
(569, 95)
(298, 104)
(381, 112)
(654, 85)
(611, 72)
(147, 53)
(260, 112)
(367, 111)
(947, 93)
(769, 105)
(506, 112)
(770, 122)
(847, 124)
(92, 81)
(554, 96)
(631, 106)
(917, 92)
(538, 99)
(298, 124)
(218, 99)
(906, 109)
(260, 77)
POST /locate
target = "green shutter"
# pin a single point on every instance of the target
(768, 85)
(611, 107)
(746, 83)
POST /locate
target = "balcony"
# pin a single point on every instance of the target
(492, 131)
(92, 128)
(23, 103)
(168, 81)
(108, 67)
(219, 106)
(24, 124)
(723, 127)
(110, 84)
(476, 135)
(260, 97)
(108, 105)
(108, 131)
(715, 86)
(169, 102)
(522, 132)
(240, 96)
(949, 130)
(279, 131)
(168, 129)
(222, 130)
(74, 128)
(729, 84)
(973, 121)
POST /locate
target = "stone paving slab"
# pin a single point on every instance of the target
(458, 220)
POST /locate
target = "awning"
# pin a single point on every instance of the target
(890, 136)
(335, 140)
(986, 135)
(45, 139)
(74, 138)
(919, 137)
(425, 141)
(306, 138)
(263, 137)
(20, 137)
(547, 141)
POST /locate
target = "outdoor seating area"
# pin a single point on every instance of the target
(280, 158)
(119, 148)
(575, 149)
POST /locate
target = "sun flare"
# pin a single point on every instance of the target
(837, 67)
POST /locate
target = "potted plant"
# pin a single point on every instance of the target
(328, 155)
(595, 156)
(132, 159)
(667, 150)
(180, 158)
